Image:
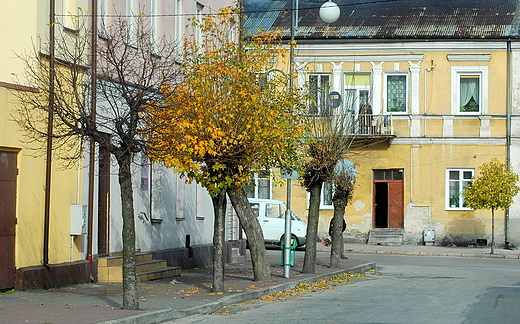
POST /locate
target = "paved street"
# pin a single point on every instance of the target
(406, 289)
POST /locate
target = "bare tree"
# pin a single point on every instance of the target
(131, 68)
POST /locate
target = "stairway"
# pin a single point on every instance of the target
(386, 236)
(110, 268)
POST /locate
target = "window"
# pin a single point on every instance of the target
(154, 24)
(68, 12)
(327, 193)
(179, 28)
(274, 211)
(457, 180)
(145, 171)
(131, 23)
(260, 186)
(103, 17)
(198, 16)
(396, 93)
(469, 90)
(319, 88)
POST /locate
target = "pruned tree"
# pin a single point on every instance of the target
(493, 188)
(343, 182)
(230, 118)
(130, 72)
(331, 140)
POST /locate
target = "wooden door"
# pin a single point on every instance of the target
(8, 174)
(388, 199)
(395, 204)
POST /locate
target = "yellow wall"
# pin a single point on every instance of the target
(31, 163)
(424, 158)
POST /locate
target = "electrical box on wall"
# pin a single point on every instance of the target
(429, 235)
(78, 219)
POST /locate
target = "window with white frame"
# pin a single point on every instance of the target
(102, 17)
(198, 17)
(457, 180)
(396, 93)
(131, 28)
(469, 89)
(319, 89)
(260, 186)
(179, 27)
(327, 193)
(69, 10)
(154, 34)
(145, 171)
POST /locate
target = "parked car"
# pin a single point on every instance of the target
(271, 215)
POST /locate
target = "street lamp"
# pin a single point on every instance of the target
(329, 13)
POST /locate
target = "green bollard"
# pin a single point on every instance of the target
(291, 253)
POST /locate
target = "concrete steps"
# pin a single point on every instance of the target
(110, 268)
(386, 236)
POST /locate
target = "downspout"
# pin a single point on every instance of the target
(508, 134)
(92, 144)
(50, 121)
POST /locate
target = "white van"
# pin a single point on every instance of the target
(271, 215)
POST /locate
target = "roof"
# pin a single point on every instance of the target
(389, 19)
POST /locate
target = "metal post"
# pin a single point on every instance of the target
(287, 240)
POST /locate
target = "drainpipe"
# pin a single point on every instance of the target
(508, 135)
(92, 144)
(50, 121)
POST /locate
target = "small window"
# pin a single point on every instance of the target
(145, 171)
(458, 179)
(319, 88)
(396, 93)
(327, 194)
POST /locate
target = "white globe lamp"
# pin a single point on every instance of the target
(329, 12)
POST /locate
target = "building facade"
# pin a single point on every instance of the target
(45, 231)
(431, 87)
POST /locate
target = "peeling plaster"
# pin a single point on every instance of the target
(359, 205)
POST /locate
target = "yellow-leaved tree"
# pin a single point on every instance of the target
(232, 116)
(494, 188)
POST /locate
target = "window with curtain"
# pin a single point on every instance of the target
(469, 93)
(396, 96)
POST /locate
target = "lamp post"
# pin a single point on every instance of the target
(329, 13)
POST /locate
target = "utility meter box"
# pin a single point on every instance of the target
(429, 235)
(78, 219)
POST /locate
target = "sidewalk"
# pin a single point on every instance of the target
(188, 294)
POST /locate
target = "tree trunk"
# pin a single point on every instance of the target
(492, 230)
(337, 230)
(130, 295)
(219, 207)
(255, 237)
(309, 261)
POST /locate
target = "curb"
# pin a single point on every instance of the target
(163, 315)
(442, 254)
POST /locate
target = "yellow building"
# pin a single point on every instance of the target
(437, 85)
(35, 218)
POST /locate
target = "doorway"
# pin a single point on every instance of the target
(388, 199)
(8, 174)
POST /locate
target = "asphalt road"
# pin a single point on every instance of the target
(405, 289)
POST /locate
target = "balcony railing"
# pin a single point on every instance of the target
(364, 125)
